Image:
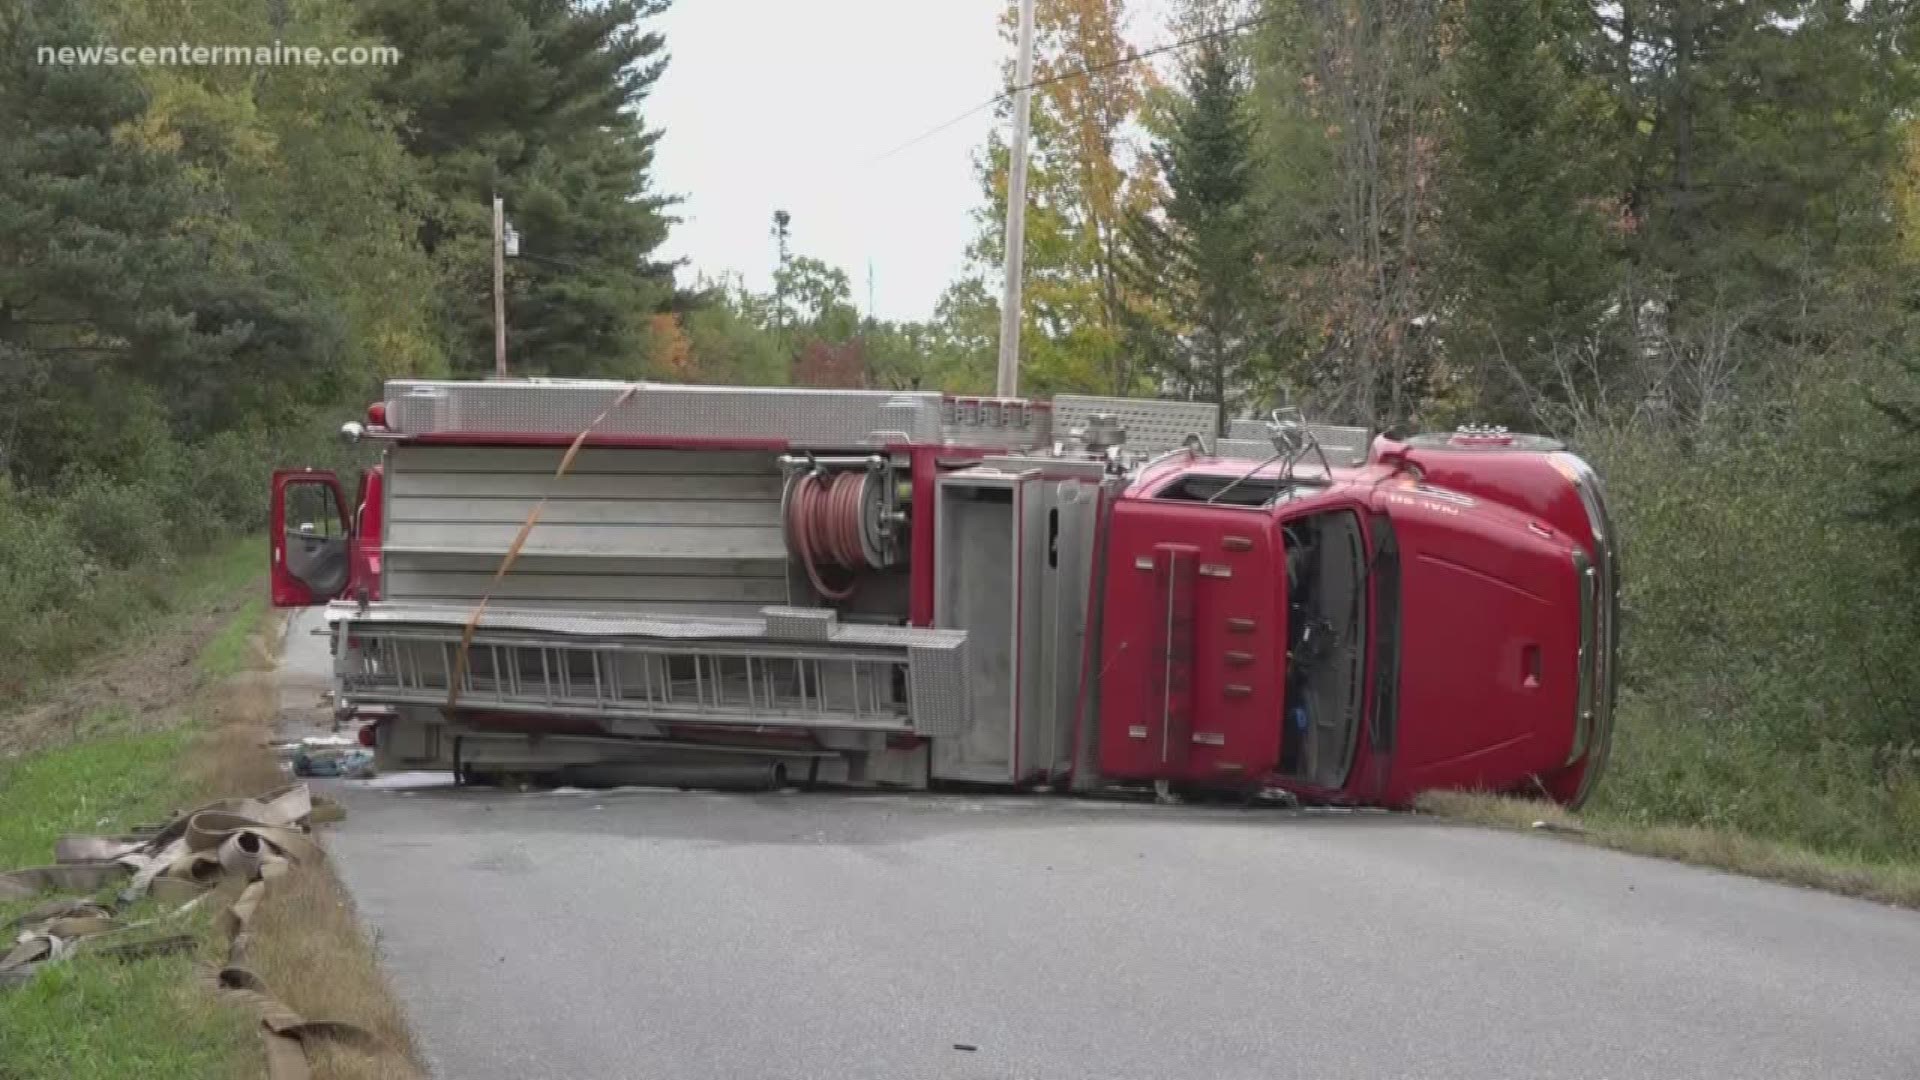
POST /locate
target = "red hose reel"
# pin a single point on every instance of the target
(838, 519)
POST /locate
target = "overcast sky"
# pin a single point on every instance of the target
(794, 104)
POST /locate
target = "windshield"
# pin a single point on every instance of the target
(1326, 636)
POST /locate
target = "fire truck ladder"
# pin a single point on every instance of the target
(791, 667)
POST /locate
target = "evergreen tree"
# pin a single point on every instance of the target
(538, 100)
(1194, 255)
(127, 303)
(1757, 141)
(1526, 207)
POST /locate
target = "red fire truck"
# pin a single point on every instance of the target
(712, 586)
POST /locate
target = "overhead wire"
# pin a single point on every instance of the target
(1078, 73)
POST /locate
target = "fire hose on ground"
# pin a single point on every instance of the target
(230, 849)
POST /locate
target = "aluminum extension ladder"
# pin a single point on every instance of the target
(736, 671)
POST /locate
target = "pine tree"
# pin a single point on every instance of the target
(1193, 256)
(124, 291)
(1757, 141)
(1526, 203)
(538, 100)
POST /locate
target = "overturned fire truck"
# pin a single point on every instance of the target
(717, 586)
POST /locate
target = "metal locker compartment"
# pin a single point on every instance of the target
(992, 540)
(1058, 582)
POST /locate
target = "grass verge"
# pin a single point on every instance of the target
(1884, 881)
(96, 1017)
(49, 645)
(307, 944)
(236, 647)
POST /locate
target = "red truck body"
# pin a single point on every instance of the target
(1438, 612)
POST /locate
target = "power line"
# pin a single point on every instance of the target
(1093, 69)
(1196, 39)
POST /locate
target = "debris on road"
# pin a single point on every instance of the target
(1545, 825)
(326, 756)
(352, 764)
(226, 851)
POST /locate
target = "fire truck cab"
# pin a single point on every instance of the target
(718, 586)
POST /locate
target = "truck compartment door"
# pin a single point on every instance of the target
(1169, 662)
(1191, 661)
(311, 538)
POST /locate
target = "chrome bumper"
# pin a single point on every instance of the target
(1599, 625)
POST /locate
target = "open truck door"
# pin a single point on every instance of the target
(312, 538)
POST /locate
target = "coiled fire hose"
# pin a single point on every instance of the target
(825, 523)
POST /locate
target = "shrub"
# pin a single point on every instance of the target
(119, 524)
(1766, 627)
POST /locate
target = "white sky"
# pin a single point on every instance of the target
(791, 104)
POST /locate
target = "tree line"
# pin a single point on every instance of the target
(201, 265)
(1683, 235)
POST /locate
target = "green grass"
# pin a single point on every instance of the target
(221, 570)
(230, 651)
(1852, 802)
(1890, 881)
(98, 1017)
(96, 786)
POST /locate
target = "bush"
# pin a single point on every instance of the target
(225, 484)
(1766, 627)
(83, 559)
(41, 561)
(120, 525)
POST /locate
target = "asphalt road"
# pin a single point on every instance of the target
(676, 935)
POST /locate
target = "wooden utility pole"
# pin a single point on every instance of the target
(1007, 384)
(499, 288)
(781, 221)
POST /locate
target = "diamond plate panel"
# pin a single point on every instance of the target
(801, 624)
(939, 705)
(416, 409)
(996, 423)
(823, 419)
(1249, 449)
(1151, 425)
(1343, 445)
(586, 624)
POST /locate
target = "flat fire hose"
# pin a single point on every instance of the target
(459, 673)
(229, 848)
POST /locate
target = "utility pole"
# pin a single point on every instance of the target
(781, 221)
(1007, 384)
(499, 288)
